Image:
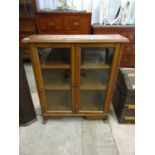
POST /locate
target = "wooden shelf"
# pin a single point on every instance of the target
(57, 86)
(92, 100)
(55, 66)
(92, 86)
(58, 100)
(94, 79)
(56, 80)
(95, 66)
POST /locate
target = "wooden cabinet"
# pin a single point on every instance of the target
(27, 25)
(75, 75)
(64, 23)
(128, 50)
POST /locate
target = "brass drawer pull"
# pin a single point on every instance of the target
(126, 60)
(128, 49)
(51, 24)
(131, 37)
(76, 23)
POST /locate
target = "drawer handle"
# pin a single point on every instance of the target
(76, 23)
(26, 51)
(126, 60)
(128, 49)
(131, 37)
(51, 24)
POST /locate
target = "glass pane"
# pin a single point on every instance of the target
(56, 79)
(54, 56)
(94, 78)
(58, 100)
(91, 100)
(95, 71)
(56, 75)
(96, 56)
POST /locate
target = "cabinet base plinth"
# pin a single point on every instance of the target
(96, 117)
(45, 118)
(61, 116)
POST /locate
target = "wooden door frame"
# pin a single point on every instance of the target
(112, 76)
(75, 77)
(39, 79)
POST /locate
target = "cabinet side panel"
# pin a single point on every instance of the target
(38, 78)
(113, 76)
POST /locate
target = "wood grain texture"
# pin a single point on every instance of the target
(128, 31)
(27, 27)
(75, 43)
(112, 78)
(75, 39)
(63, 22)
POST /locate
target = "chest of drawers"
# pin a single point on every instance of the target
(27, 27)
(64, 23)
(128, 50)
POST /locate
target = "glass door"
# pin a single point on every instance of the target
(55, 66)
(95, 68)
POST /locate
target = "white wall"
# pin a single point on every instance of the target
(90, 6)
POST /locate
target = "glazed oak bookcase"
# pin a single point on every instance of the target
(74, 74)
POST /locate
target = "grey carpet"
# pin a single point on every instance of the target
(68, 136)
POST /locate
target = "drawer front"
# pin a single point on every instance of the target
(27, 25)
(63, 24)
(48, 24)
(75, 23)
(127, 32)
(127, 61)
(128, 56)
(23, 48)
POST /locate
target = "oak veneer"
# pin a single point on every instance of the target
(85, 88)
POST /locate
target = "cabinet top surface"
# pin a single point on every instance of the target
(112, 26)
(63, 12)
(114, 38)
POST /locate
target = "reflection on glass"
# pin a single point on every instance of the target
(56, 75)
(54, 55)
(91, 100)
(56, 79)
(94, 78)
(58, 100)
(100, 56)
(95, 70)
